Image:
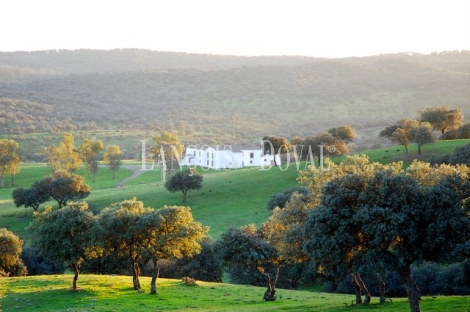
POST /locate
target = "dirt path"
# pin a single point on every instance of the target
(136, 171)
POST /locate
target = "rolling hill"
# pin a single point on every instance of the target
(210, 99)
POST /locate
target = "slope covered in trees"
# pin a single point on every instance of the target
(219, 99)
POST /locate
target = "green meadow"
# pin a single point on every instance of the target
(115, 293)
(228, 198)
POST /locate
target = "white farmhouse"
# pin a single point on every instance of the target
(227, 157)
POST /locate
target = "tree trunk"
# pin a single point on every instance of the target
(382, 288)
(2, 181)
(412, 291)
(419, 149)
(443, 134)
(184, 196)
(75, 277)
(406, 149)
(270, 294)
(135, 274)
(12, 180)
(357, 288)
(153, 282)
(364, 289)
(114, 174)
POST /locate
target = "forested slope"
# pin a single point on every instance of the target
(222, 99)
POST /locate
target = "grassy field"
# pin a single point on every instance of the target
(17, 219)
(115, 293)
(396, 153)
(235, 197)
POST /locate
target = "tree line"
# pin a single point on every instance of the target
(406, 131)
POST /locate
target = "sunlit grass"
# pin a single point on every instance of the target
(115, 293)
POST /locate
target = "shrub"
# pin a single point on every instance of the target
(189, 281)
(38, 264)
(280, 199)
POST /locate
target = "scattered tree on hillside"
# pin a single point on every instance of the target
(63, 187)
(112, 158)
(89, 151)
(273, 145)
(422, 135)
(144, 234)
(251, 258)
(119, 231)
(9, 159)
(345, 133)
(284, 230)
(184, 181)
(63, 156)
(176, 235)
(401, 133)
(281, 199)
(65, 235)
(387, 222)
(322, 144)
(10, 251)
(205, 266)
(33, 196)
(168, 150)
(443, 118)
(295, 140)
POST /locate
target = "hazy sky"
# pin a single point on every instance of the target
(322, 28)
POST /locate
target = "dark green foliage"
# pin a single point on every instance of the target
(460, 156)
(205, 266)
(280, 199)
(93, 208)
(432, 279)
(386, 223)
(64, 187)
(32, 197)
(107, 264)
(465, 131)
(184, 181)
(440, 159)
(65, 235)
(38, 264)
(247, 255)
(60, 186)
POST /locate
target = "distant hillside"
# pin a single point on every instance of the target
(223, 99)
